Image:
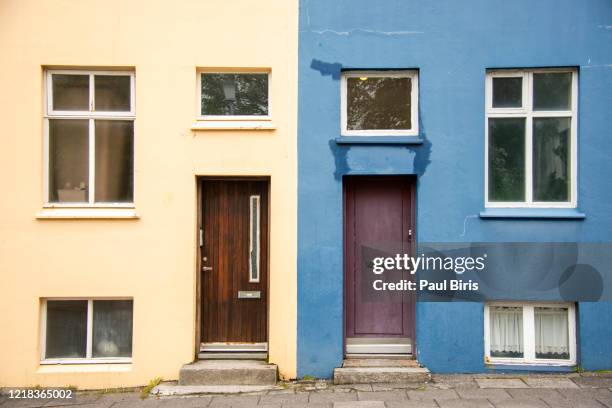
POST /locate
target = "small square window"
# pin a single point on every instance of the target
(531, 139)
(378, 103)
(84, 330)
(234, 94)
(530, 333)
(90, 138)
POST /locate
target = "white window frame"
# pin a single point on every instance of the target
(414, 103)
(529, 335)
(89, 348)
(91, 116)
(527, 112)
(229, 118)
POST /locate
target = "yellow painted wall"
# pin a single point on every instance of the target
(151, 259)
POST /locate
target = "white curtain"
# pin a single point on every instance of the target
(506, 325)
(551, 332)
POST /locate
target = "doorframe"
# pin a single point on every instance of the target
(200, 181)
(413, 180)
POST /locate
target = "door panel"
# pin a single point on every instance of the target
(379, 216)
(231, 310)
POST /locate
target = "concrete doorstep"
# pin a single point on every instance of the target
(228, 372)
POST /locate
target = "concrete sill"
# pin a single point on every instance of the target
(233, 125)
(532, 213)
(379, 140)
(86, 213)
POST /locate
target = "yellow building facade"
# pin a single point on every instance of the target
(60, 240)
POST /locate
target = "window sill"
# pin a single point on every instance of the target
(87, 213)
(380, 140)
(85, 367)
(532, 213)
(233, 125)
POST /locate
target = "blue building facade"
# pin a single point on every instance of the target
(453, 46)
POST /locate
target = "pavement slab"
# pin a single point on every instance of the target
(412, 404)
(234, 401)
(284, 399)
(501, 383)
(490, 394)
(382, 396)
(550, 382)
(594, 382)
(359, 404)
(329, 396)
(432, 394)
(521, 403)
(464, 403)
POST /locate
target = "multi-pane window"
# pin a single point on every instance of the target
(234, 95)
(379, 103)
(89, 138)
(530, 333)
(81, 330)
(531, 138)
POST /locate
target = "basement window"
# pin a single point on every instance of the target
(530, 333)
(86, 331)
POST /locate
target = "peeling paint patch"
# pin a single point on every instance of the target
(332, 69)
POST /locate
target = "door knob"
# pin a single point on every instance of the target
(207, 268)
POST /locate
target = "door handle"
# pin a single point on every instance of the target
(207, 268)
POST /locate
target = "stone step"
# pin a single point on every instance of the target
(380, 362)
(392, 374)
(228, 372)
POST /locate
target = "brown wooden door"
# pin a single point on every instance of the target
(379, 222)
(234, 262)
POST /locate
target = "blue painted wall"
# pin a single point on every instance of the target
(452, 44)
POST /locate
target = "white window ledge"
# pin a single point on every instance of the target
(233, 125)
(87, 213)
(85, 368)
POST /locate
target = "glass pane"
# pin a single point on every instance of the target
(114, 161)
(112, 92)
(235, 94)
(507, 159)
(551, 333)
(506, 336)
(70, 92)
(378, 103)
(112, 328)
(254, 235)
(68, 160)
(507, 92)
(551, 159)
(66, 329)
(552, 91)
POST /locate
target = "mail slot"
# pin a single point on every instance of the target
(249, 294)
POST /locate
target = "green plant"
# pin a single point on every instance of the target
(308, 378)
(578, 369)
(146, 390)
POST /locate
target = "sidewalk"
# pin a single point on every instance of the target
(470, 391)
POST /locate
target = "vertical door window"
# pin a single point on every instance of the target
(254, 222)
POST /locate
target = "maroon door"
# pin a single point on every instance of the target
(234, 261)
(379, 222)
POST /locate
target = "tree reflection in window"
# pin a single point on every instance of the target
(378, 103)
(234, 94)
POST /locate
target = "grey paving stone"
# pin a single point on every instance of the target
(23, 403)
(412, 404)
(234, 401)
(521, 403)
(594, 382)
(465, 403)
(550, 382)
(580, 394)
(359, 404)
(481, 393)
(188, 402)
(382, 396)
(565, 403)
(284, 398)
(454, 381)
(500, 383)
(438, 395)
(607, 402)
(328, 396)
(309, 405)
(535, 393)
(78, 399)
(396, 386)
